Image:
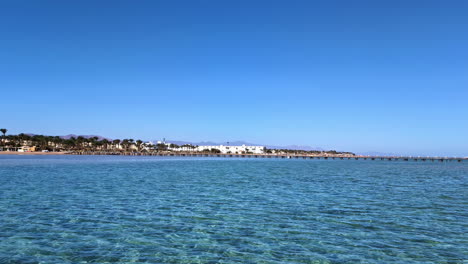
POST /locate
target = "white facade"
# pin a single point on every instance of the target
(178, 148)
(223, 149)
(235, 149)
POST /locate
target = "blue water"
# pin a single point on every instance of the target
(78, 209)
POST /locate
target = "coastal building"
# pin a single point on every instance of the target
(244, 149)
(175, 147)
(27, 149)
(19, 149)
(182, 148)
(234, 149)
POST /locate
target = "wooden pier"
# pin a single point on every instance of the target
(273, 156)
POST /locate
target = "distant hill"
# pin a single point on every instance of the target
(296, 147)
(209, 143)
(85, 136)
(75, 136)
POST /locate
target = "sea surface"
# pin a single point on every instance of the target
(104, 209)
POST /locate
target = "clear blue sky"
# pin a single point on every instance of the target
(388, 76)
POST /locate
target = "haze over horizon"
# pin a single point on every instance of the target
(360, 76)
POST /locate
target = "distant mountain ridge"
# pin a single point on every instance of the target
(85, 136)
(73, 135)
(206, 143)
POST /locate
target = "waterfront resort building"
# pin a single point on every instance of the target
(234, 149)
(216, 148)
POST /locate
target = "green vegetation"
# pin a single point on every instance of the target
(3, 130)
(56, 143)
(87, 144)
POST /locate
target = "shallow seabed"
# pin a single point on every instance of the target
(98, 209)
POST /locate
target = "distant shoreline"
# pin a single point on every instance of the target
(31, 153)
(201, 154)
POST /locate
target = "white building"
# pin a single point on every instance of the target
(173, 147)
(235, 149)
(223, 149)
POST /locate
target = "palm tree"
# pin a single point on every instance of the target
(131, 142)
(116, 142)
(13, 140)
(40, 141)
(161, 146)
(98, 145)
(70, 143)
(138, 144)
(92, 141)
(81, 142)
(3, 130)
(125, 143)
(106, 143)
(50, 141)
(21, 138)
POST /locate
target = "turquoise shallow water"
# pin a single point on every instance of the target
(78, 209)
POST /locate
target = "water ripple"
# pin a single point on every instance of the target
(175, 210)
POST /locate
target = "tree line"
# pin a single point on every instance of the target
(80, 143)
(56, 143)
